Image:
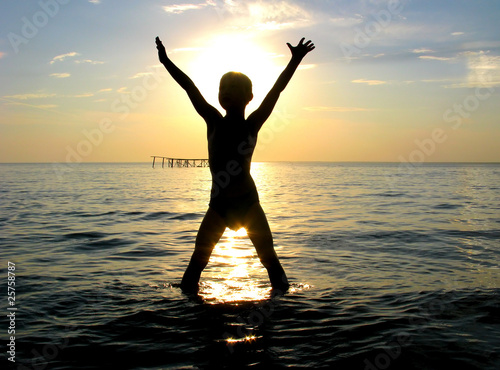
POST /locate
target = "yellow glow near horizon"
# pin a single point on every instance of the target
(232, 52)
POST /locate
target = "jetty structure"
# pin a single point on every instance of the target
(180, 162)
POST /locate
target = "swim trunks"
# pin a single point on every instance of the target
(234, 209)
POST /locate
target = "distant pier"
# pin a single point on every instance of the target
(180, 162)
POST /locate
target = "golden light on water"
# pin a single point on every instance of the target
(235, 273)
(248, 338)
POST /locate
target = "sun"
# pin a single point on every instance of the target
(239, 53)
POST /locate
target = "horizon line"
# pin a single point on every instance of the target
(279, 161)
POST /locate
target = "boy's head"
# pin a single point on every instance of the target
(235, 90)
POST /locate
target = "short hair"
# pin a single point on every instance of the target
(245, 81)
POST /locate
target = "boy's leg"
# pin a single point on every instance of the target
(259, 232)
(211, 229)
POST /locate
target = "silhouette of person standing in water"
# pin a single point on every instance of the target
(234, 201)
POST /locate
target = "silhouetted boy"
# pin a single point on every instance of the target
(234, 201)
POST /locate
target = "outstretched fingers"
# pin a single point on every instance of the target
(309, 45)
(158, 43)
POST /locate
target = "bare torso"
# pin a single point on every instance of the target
(231, 144)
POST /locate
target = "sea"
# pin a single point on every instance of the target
(391, 265)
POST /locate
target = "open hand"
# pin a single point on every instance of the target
(162, 54)
(301, 49)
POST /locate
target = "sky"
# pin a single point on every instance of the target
(389, 81)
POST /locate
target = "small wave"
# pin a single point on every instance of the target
(391, 194)
(186, 216)
(109, 243)
(486, 234)
(89, 215)
(156, 215)
(85, 235)
(447, 206)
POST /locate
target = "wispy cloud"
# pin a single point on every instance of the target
(181, 8)
(46, 106)
(86, 95)
(95, 1)
(60, 75)
(262, 15)
(180, 50)
(336, 109)
(484, 69)
(433, 57)
(306, 66)
(369, 82)
(30, 96)
(141, 74)
(346, 21)
(89, 61)
(258, 15)
(422, 51)
(60, 58)
(457, 33)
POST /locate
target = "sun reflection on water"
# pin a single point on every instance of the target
(234, 273)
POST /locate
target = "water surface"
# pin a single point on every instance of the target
(390, 267)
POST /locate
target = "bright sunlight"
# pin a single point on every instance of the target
(235, 273)
(233, 52)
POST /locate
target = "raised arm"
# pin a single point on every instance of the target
(262, 113)
(200, 104)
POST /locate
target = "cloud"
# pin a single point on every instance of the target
(269, 26)
(457, 33)
(346, 22)
(180, 50)
(306, 66)
(141, 74)
(258, 15)
(60, 75)
(432, 57)
(181, 8)
(60, 58)
(95, 1)
(30, 96)
(422, 51)
(336, 109)
(86, 95)
(89, 61)
(484, 69)
(46, 106)
(262, 15)
(369, 82)
(106, 90)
